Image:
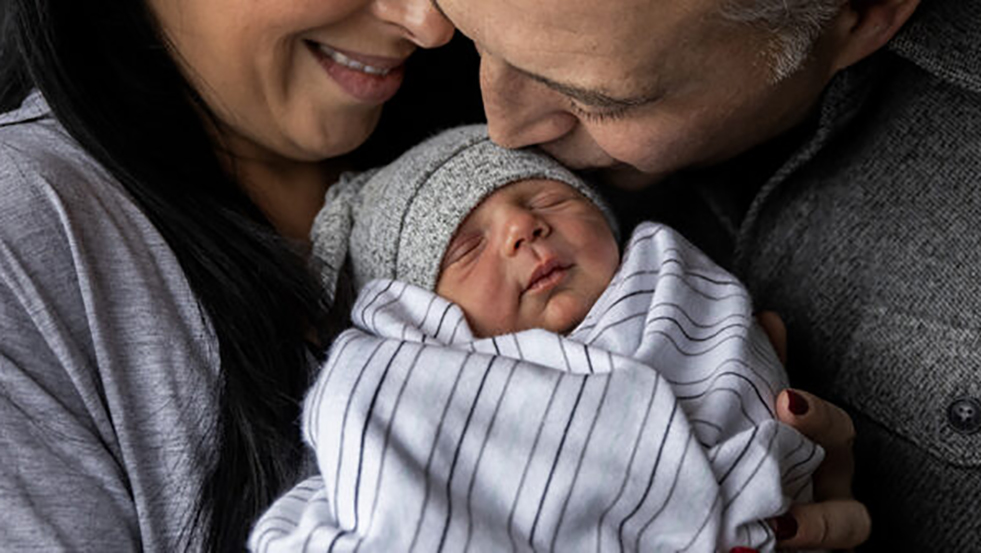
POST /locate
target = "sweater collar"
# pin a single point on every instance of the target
(944, 38)
(33, 107)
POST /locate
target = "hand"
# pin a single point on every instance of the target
(835, 520)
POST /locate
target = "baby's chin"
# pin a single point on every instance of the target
(558, 319)
(564, 314)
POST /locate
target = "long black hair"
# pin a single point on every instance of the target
(109, 79)
(106, 72)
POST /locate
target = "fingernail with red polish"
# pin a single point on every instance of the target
(742, 550)
(784, 526)
(796, 403)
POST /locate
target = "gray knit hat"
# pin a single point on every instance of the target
(396, 221)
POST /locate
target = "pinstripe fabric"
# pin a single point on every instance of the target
(648, 428)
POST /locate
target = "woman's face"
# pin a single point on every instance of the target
(299, 80)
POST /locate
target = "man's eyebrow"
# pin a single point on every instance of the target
(589, 97)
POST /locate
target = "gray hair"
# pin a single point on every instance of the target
(795, 25)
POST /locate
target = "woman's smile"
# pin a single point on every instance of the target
(297, 80)
(371, 79)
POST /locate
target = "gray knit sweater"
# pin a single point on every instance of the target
(862, 228)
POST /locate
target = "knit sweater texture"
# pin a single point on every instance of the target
(861, 229)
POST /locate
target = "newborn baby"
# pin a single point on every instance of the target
(512, 383)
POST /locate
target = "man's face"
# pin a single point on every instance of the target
(650, 85)
(535, 254)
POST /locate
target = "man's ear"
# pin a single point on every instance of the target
(864, 26)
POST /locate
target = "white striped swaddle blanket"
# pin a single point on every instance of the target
(648, 428)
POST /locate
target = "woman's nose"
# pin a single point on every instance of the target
(419, 20)
(521, 229)
(520, 111)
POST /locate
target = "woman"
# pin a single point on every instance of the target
(160, 165)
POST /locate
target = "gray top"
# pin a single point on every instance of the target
(866, 237)
(105, 357)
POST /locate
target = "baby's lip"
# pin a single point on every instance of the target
(547, 274)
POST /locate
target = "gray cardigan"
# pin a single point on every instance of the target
(862, 228)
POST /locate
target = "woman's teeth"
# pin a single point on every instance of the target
(353, 64)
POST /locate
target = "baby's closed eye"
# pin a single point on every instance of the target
(550, 199)
(462, 248)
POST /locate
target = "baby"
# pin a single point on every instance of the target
(512, 383)
(534, 254)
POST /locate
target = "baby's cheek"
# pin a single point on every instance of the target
(492, 318)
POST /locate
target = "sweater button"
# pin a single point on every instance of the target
(964, 415)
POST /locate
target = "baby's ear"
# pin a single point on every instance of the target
(865, 26)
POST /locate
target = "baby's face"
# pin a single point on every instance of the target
(534, 254)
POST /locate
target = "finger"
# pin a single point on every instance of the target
(773, 326)
(830, 427)
(819, 420)
(833, 479)
(838, 524)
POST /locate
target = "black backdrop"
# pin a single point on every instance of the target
(440, 90)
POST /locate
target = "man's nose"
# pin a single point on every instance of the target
(521, 229)
(419, 20)
(521, 111)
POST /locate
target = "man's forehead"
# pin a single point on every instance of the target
(572, 15)
(602, 52)
(620, 30)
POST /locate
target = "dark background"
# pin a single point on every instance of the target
(440, 90)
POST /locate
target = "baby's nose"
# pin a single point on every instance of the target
(523, 227)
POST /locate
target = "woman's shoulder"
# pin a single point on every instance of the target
(106, 353)
(74, 247)
(57, 197)
(107, 358)
(41, 165)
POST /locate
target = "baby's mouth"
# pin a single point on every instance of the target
(546, 275)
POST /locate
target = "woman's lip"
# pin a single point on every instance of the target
(378, 62)
(367, 87)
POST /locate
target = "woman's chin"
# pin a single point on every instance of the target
(336, 136)
(349, 139)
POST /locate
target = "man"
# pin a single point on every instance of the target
(829, 152)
